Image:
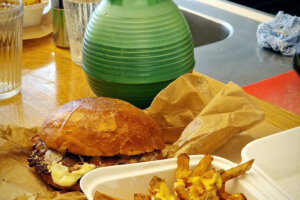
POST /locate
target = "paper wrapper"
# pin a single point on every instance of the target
(16, 178)
(179, 103)
(47, 195)
(229, 113)
(187, 111)
(197, 122)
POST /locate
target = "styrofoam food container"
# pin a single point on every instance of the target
(278, 155)
(33, 14)
(124, 181)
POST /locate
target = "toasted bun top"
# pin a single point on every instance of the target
(101, 127)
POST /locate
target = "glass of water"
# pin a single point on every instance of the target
(78, 13)
(11, 31)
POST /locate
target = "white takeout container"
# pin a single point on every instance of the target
(124, 181)
(278, 156)
(33, 14)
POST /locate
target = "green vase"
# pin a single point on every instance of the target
(132, 49)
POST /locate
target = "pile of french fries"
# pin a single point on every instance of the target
(202, 183)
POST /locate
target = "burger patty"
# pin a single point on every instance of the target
(42, 156)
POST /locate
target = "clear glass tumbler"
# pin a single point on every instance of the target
(78, 13)
(11, 31)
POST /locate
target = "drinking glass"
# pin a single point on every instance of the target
(78, 13)
(11, 31)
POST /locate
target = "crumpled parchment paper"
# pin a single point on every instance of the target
(229, 113)
(17, 180)
(179, 103)
(195, 121)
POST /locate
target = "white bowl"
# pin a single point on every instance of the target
(33, 14)
(124, 180)
(278, 156)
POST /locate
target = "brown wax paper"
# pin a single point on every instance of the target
(215, 118)
(54, 195)
(179, 103)
(230, 112)
(17, 180)
(16, 177)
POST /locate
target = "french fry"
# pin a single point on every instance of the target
(155, 184)
(196, 189)
(202, 166)
(140, 196)
(193, 191)
(181, 174)
(159, 190)
(237, 171)
(182, 171)
(182, 193)
(100, 196)
(224, 195)
(210, 195)
(237, 196)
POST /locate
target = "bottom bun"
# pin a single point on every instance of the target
(49, 181)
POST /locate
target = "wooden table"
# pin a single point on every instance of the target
(50, 79)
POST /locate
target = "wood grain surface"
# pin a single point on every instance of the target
(50, 79)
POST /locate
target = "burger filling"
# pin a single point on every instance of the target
(66, 169)
(62, 176)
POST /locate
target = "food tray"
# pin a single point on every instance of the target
(278, 156)
(124, 180)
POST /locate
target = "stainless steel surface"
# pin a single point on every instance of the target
(233, 57)
(206, 30)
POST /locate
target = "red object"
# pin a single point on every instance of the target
(282, 90)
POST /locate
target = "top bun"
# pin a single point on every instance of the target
(101, 126)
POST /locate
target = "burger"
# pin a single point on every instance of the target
(90, 133)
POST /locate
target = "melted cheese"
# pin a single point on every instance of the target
(61, 175)
(179, 182)
(215, 180)
(164, 192)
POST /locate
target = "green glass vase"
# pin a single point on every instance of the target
(132, 49)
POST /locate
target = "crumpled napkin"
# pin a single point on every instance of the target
(281, 34)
